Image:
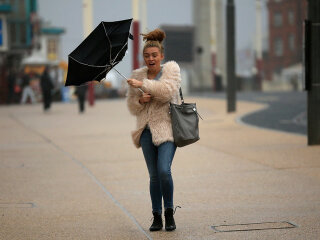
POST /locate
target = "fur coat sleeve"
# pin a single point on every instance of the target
(133, 104)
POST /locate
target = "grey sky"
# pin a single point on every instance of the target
(68, 14)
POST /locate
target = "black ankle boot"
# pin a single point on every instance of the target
(157, 222)
(168, 214)
(170, 224)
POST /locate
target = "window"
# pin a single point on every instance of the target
(277, 19)
(13, 33)
(291, 17)
(278, 47)
(291, 42)
(52, 49)
(23, 33)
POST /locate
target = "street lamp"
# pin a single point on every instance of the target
(231, 78)
(312, 62)
(258, 46)
(87, 28)
(136, 32)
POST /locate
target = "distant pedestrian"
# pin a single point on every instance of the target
(11, 80)
(81, 95)
(27, 90)
(46, 88)
(160, 84)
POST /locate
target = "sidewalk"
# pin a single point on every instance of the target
(69, 176)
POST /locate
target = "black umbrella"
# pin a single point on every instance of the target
(99, 52)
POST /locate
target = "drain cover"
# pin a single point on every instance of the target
(253, 226)
(17, 205)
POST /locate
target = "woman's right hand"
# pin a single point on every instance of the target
(146, 97)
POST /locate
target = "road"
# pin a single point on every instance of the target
(285, 111)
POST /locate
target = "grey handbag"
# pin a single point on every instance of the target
(185, 120)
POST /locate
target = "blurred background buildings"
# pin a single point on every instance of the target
(272, 59)
(27, 45)
(282, 60)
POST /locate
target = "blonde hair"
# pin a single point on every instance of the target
(154, 39)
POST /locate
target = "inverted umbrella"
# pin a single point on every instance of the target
(99, 52)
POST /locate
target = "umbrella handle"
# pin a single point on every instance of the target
(127, 79)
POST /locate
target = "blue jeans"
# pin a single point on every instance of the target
(159, 160)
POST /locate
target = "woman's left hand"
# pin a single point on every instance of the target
(134, 83)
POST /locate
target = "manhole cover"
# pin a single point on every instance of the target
(253, 226)
(17, 205)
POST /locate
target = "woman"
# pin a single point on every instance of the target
(160, 85)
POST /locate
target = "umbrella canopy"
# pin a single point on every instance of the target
(99, 52)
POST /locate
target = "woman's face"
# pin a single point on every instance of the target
(153, 57)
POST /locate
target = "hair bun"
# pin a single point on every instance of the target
(155, 35)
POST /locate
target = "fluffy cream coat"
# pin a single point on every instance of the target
(156, 112)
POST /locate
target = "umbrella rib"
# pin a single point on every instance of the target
(119, 52)
(110, 59)
(122, 47)
(127, 79)
(109, 42)
(87, 64)
(100, 73)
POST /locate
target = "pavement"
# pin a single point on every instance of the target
(65, 175)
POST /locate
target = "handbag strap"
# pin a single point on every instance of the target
(182, 100)
(181, 96)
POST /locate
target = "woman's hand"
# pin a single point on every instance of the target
(146, 97)
(134, 83)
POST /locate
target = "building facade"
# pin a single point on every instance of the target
(24, 41)
(286, 20)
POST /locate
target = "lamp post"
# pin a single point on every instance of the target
(144, 18)
(221, 58)
(231, 78)
(136, 31)
(258, 45)
(312, 63)
(213, 40)
(87, 28)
